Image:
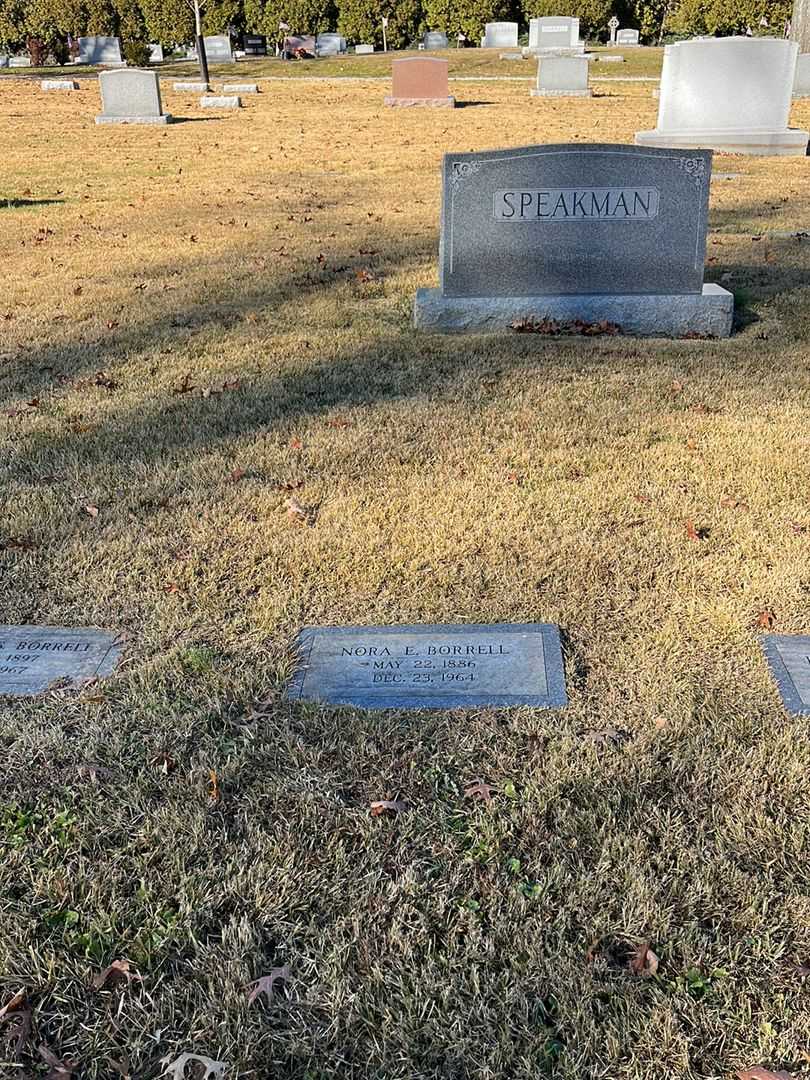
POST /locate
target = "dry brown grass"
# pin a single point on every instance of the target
(480, 479)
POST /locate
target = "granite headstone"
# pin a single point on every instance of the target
(500, 35)
(96, 49)
(254, 44)
(363, 50)
(430, 667)
(801, 83)
(58, 84)
(788, 657)
(420, 80)
(627, 38)
(588, 232)
(131, 96)
(218, 49)
(555, 34)
(434, 40)
(728, 94)
(34, 657)
(562, 76)
(156, 53)
(330, 44)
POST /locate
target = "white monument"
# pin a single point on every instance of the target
(553, 34)
(96, 49)
(728, 94)
(130, 96)
(562, 76)
(801, 84)
(500, 35)
(627, 38)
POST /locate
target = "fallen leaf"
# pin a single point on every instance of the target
(18, 1016)
(605, 737)
(177, 1068)
(644, 961)
(798, 528)
(266, 983)
(91, 510)
(730, 503)
(766, 620)
(296, 511)
(676, 387)
(164, 762)
(691, 532)
(171, 587)
(238, 474)
(88, 770)
(394, 805)
(185, 386)
(213, 785)
(118, 969)
(479, 790)
(59, 1070)
(296, 444)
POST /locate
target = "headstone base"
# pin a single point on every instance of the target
(431, 103)
(790, 142)
(191, 87)
(241, 88)
(561, 93)
(214, 102)
(58, 84)
(559, 50)
(708, 313)
(165, 118)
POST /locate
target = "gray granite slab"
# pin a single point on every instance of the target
(190, 87)
(221, 101)
(241, 88)
(34, 657)
(218, 49)
(574, 219)
(788, 657)
(97, 49)
(430, 667)
(709, 313)
(58, 84)
(130, 96)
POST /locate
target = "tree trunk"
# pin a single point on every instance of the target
(800, 25)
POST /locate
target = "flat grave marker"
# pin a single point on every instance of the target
(34, 657)
(221, 101)
(788, 657)
(430, 667)
(575, 231)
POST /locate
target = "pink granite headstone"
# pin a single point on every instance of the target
(420, 80)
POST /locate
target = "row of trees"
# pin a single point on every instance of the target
(47, 25)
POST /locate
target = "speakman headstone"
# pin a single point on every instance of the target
(34, 657)
(130, 96)
(788, 657)
(430, 667)
(575, 232)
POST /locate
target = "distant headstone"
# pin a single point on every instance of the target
(575, 231)
(156, 54)
(627, 38)
(58, 84)
(130, 96)
(32, 658)
(801, 84)
(221, 101)
(190, 87)
(610, 59)
(552, 33)
(420, 80)
(562, 76)
(730, 94)
(254, 44)
(218, 49)
(788, 657)
(241, 88)
(501, 35)
(4, 61)
(512, 54)
(100, 50)
(19, 61)
(435, 40)
(613, 26)
(363, 50)
(330, 44)
(430, 667)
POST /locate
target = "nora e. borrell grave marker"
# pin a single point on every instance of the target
(430, 667)
(575, 232)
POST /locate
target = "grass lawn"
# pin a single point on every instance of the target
(198, 321)
(466, 63)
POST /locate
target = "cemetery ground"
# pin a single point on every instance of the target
(219, 426)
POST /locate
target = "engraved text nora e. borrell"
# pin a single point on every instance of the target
(576, 204)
